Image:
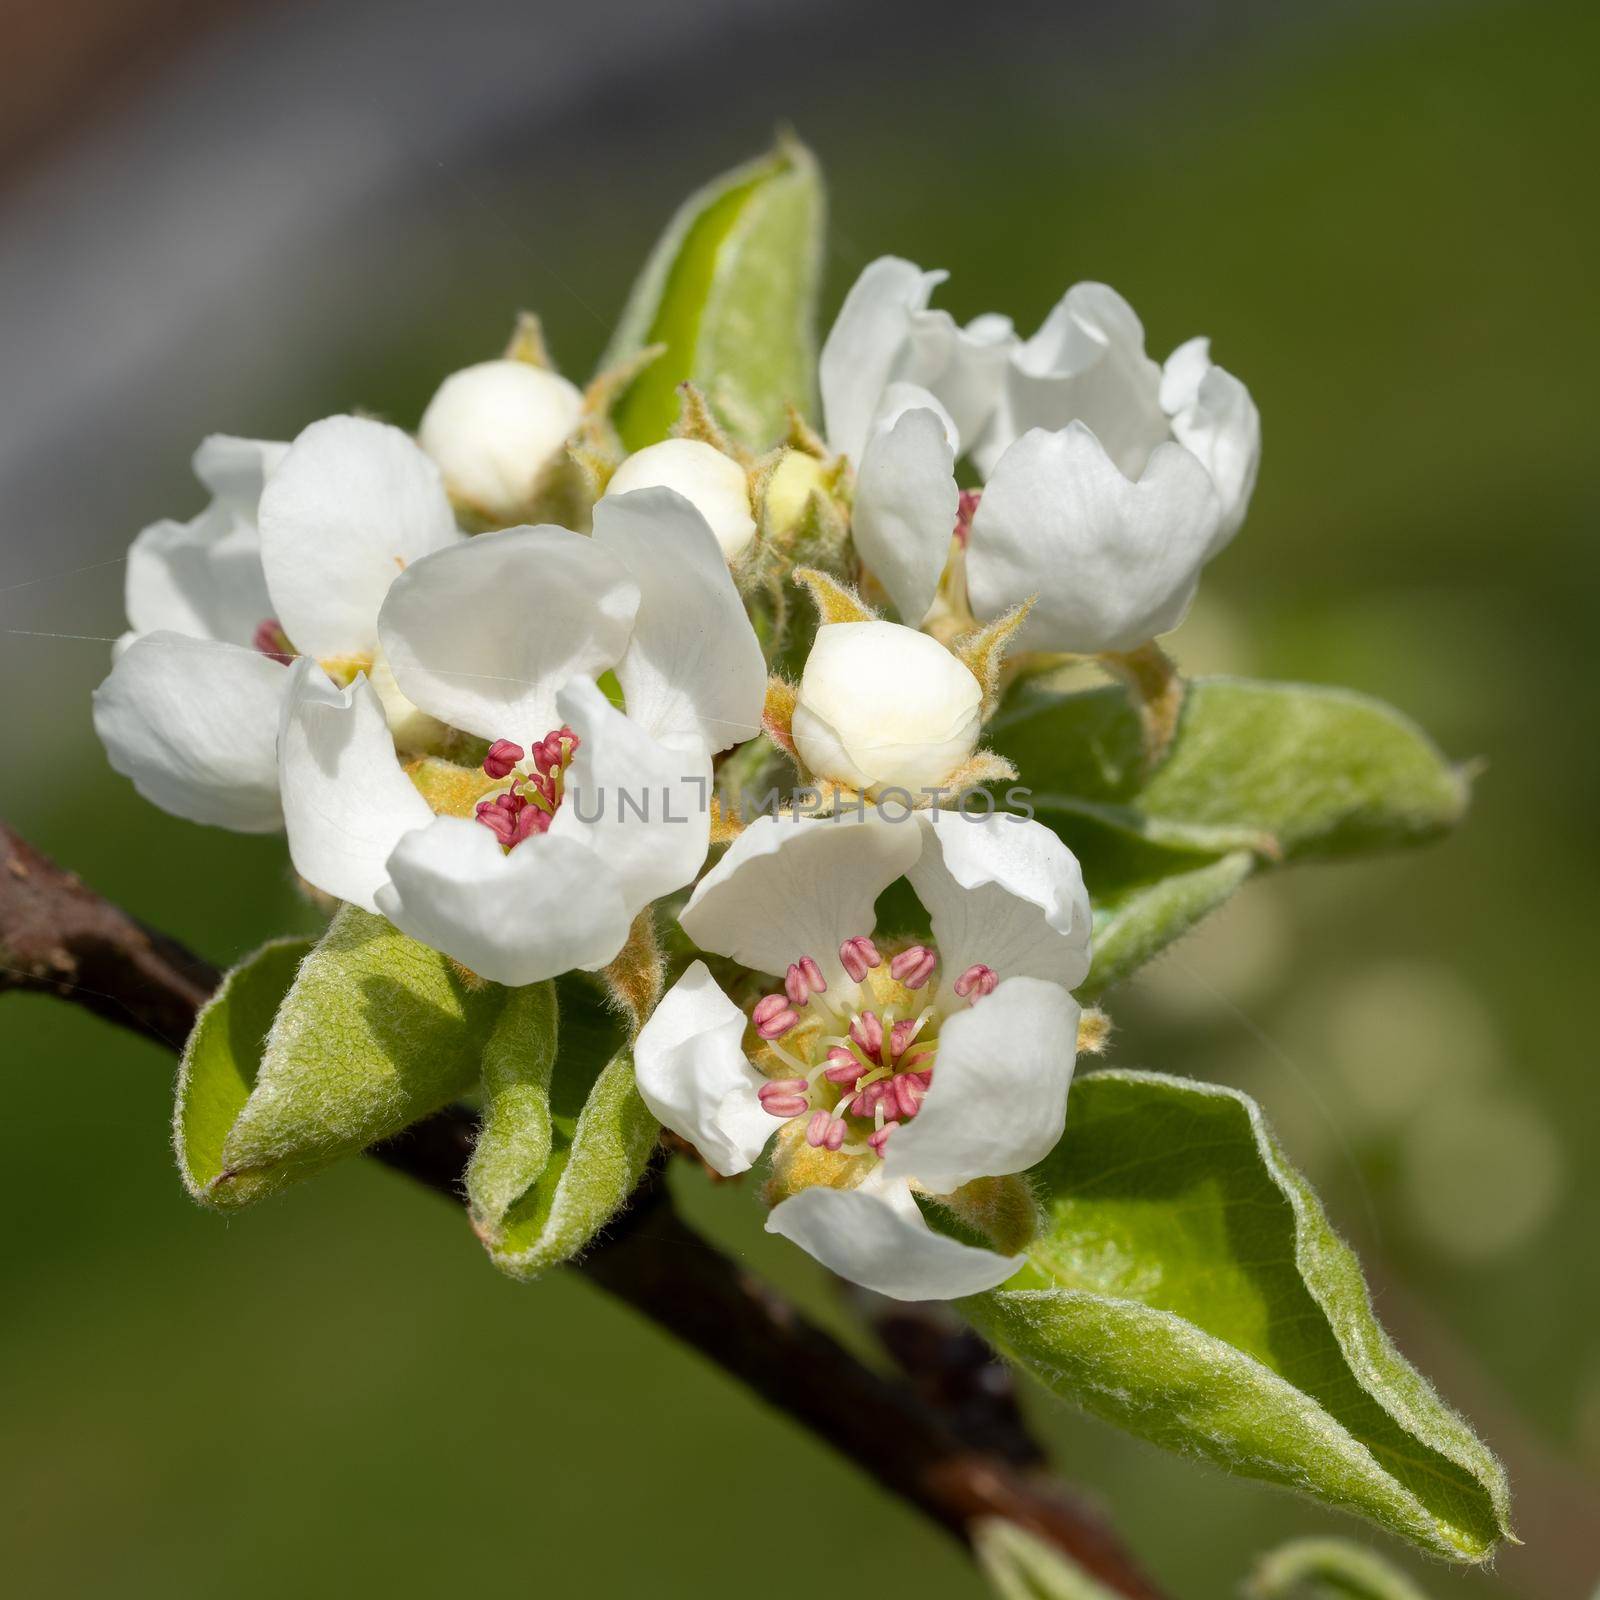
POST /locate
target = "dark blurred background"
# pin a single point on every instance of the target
(243, 216)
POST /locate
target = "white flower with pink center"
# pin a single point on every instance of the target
(294, 555)
(918, 1069)
(586, 812)
(1109, 480)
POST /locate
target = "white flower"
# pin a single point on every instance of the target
(494, 429)
(1110, 481)
(714, 484)
(885, 707)
(295, 553)
(584, 814)
(924, 1070)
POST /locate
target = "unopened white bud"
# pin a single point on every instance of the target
(882, 706)
(494, 428)
(714, 484)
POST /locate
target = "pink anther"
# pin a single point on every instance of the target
(977, 981)
(773, 1016)
(843, 1066)
(858, 956)
(914, 967)
(867, 1031)
(502, 758)
(825, 1131)
(784, 1097)
(966, 509)
(270, 639)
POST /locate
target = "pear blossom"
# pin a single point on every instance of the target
(582, 813)
(1109, 481)
(881, 706)
(294, 554)
(495, 428)
(884, 1072)
(713, 483)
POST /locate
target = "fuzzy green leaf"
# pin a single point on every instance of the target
(374, 1032)
(1187, 1286)
(1287, 769)
(1327, 1569)
(600, 1136)
(514, 1141)
(1021, 1566)
(730, 289)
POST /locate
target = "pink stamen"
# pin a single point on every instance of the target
(977, 981)
(879, 1137)
(784, 1097)
(270, 639)
(914, 967)
(844, 1067)
(867, 1031)
(901, 1034)
(904, 1095)
(802, 980)
(859, 956)
(555, 750)
(966, 509)
(502, 758)
(825, 1131)
(916, 1056)
(773, 1016)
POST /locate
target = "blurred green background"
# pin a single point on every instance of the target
(1383, 221)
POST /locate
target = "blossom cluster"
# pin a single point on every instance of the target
(429, 659)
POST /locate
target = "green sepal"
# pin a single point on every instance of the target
(596, 1138)
(730, 289)
(1021, 1566)
(1327, 1569)
(373, 1032)
(1187, 1286)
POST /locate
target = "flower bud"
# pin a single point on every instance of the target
(882, 706)
(714, 484)
(494, 428)
(788, 491)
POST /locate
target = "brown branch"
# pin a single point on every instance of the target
(58, 937)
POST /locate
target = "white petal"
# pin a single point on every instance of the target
(867, 342)
(714, 484)
(791, 887)
(519, 916)
(1085, 364)
(998, 1101)
(1214, 417)
(905, 508)
(884, 707)
(1004, 891)
(235, 470)
(966, 367)
(346, 803)
(201, 577)
(494, 428)
(693, 1074)
(1112, 561)
(618, 773)
(350, 507)
(693, 667)
(483, 634)
(194, 724)
(877, 1237)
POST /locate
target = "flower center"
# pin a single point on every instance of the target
(856, 1063)
(531, 802)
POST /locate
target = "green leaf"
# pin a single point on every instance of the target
(1287, 769)
(600, 1137)
(1187, 1286)
(730, 290)
(1327, 1569)
(514, 1139)
(374, 1032)
(1021, 1566)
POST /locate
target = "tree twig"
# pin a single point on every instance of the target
(58, 937)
